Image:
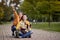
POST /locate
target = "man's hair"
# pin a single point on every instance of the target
(20, 11)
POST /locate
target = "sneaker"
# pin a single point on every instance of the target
(12, 34)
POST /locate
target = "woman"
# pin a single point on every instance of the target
(24, 27)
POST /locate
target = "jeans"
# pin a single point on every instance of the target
(13, 28)
(26, 34)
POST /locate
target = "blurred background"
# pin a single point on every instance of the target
(45, 14)
(37, 10)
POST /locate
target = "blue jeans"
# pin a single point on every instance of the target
(26, 34)
(13, 28)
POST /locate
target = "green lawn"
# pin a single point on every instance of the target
(54, 26)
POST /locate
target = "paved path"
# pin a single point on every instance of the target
(5, 34)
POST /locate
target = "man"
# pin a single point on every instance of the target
(17, 18)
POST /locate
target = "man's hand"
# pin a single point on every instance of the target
(13, 8)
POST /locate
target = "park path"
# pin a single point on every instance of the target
(5, 34)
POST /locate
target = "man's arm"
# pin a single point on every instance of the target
(14, 11)
(15, 14)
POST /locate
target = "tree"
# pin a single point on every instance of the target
(1, 13)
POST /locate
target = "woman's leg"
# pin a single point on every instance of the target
(21, 34)
(27, 34)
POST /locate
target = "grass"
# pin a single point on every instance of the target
(54, 26)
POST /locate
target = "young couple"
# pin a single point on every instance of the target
(21, 25)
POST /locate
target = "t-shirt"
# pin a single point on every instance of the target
(23, 25)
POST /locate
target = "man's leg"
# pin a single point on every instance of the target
(13, 28)
(17, 34)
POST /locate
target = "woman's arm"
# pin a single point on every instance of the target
(28, 26)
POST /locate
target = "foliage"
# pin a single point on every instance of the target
(5, 13)
(41, 10)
